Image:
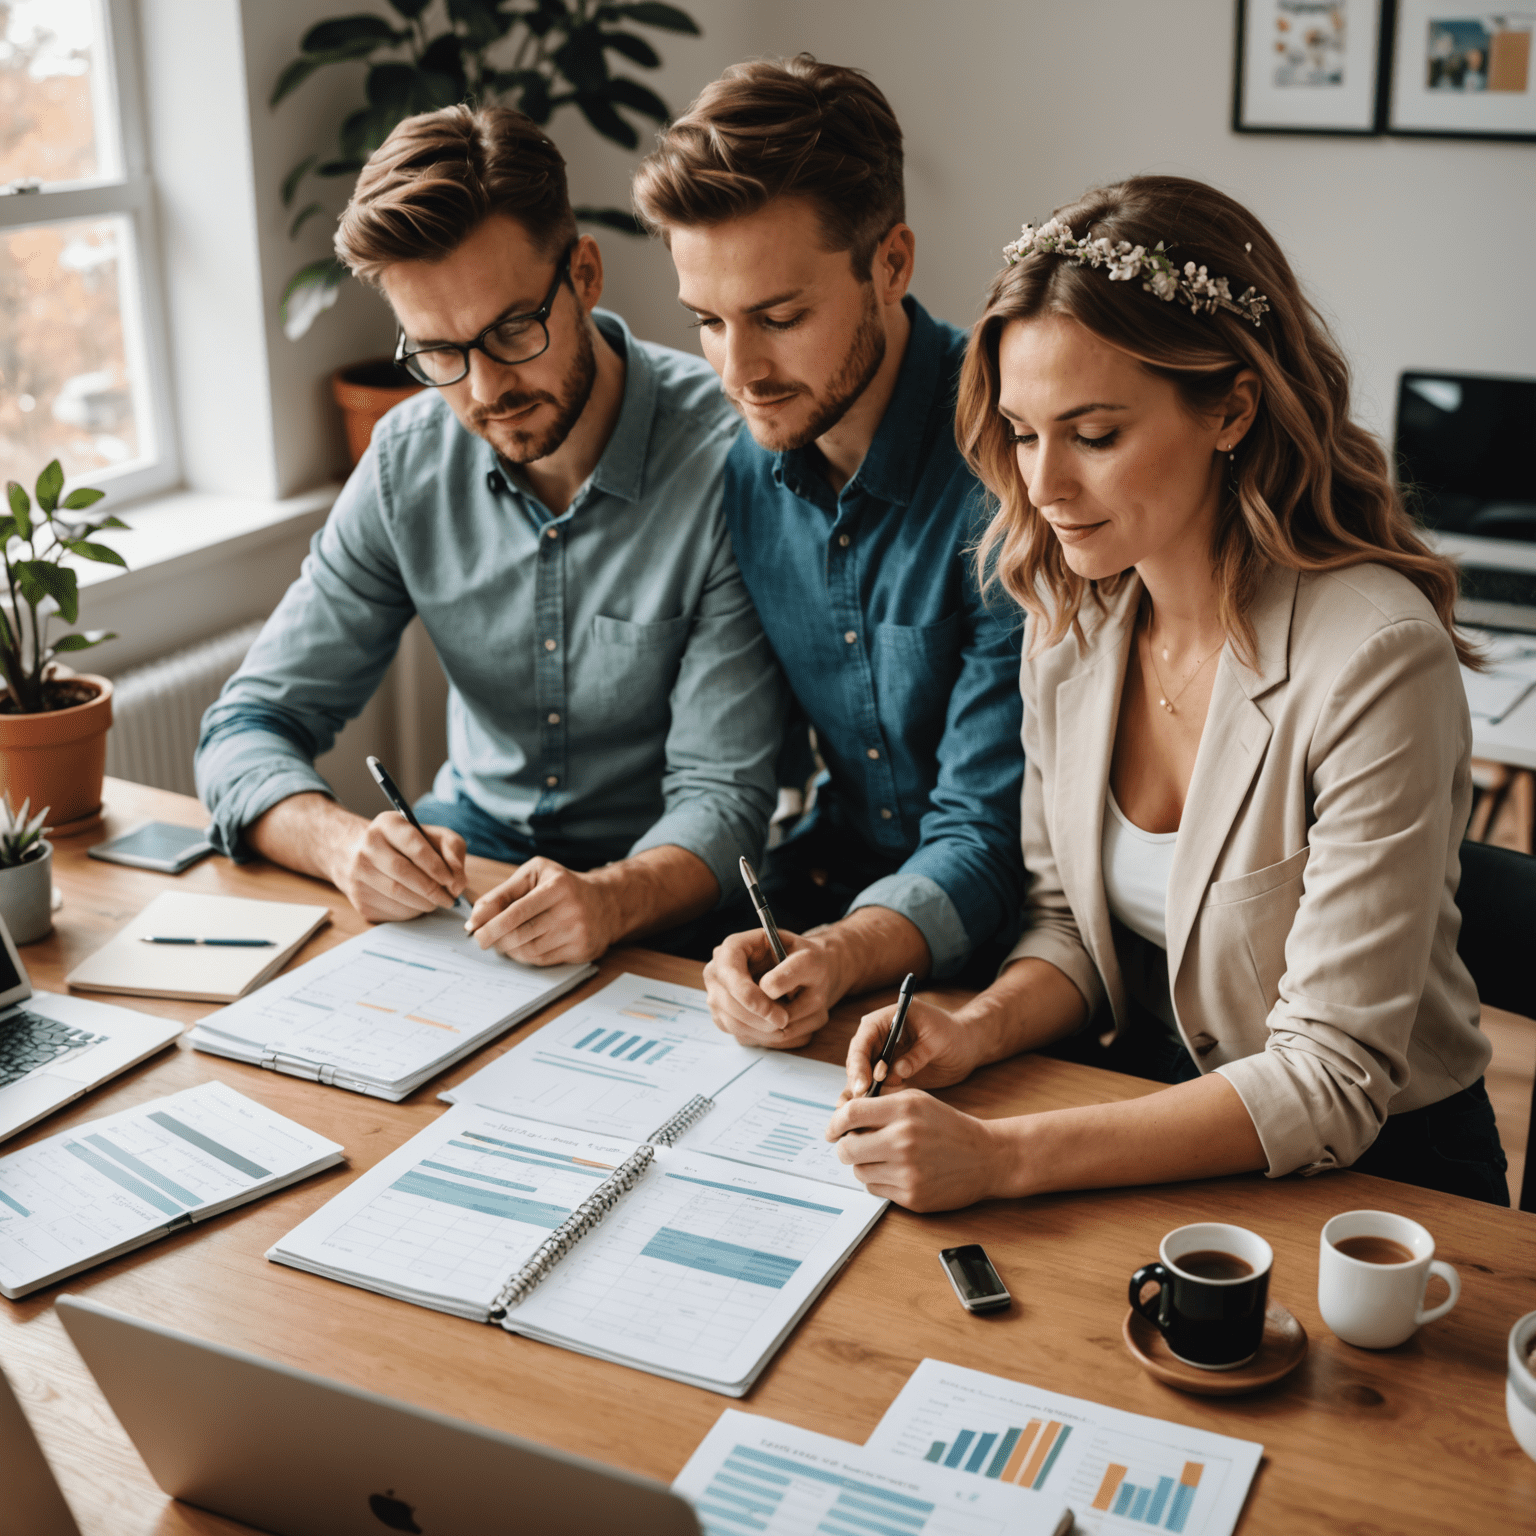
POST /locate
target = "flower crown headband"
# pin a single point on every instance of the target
(1193, 286)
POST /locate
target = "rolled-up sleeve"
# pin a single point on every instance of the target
(1382, 767)
(314, 666)
(728, 707)
(962, 885)
(1050, 930)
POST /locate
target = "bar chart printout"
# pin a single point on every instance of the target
(1120, 1472)
(752, 1475)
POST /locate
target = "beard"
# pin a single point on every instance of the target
(860, 364)
(518, 446)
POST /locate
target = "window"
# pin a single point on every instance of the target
(82, 362)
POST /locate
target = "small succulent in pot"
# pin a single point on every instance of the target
(21, 839)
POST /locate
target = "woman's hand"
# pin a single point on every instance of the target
(937, 1049)
(910, 1148)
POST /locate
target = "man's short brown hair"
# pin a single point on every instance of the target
(781, 127)
(440, 175)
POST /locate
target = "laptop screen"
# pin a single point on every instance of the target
(14, 985)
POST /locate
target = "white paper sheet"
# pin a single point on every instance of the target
(773, 1479)
(387, 1007)
(103, 1187)
(621, 1063)
(1120, 1472)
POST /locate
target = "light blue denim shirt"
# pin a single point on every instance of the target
(610, 685)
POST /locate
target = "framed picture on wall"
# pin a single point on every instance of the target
(1463, 69)
(1310, 66)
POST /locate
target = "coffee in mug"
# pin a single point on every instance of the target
(1213, 1287)
(1372, 1271)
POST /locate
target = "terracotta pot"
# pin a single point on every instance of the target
(58, 759)
(26, 896)
(364, 391)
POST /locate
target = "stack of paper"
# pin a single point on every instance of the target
(386, 1010)
(112, 1185)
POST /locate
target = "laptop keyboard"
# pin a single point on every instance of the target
(29, 1041)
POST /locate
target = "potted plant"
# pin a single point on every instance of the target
(26, 873)
(53, 722)
(540, 57)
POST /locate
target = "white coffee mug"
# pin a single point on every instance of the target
(1376, 1306)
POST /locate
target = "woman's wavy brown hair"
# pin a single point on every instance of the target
(1310, 490)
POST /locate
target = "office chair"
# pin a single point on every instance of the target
(1497, 898)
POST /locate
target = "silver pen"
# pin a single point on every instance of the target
(764, 916)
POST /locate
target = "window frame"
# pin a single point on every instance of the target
(127, 191)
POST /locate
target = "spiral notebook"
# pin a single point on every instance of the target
(681, 1262)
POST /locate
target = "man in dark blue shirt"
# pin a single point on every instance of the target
(852, 514)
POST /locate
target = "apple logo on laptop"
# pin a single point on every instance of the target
(393, 1512)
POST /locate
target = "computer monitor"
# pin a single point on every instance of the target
(1464, 446)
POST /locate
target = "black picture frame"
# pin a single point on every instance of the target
(1381, 83)
(1389, 107)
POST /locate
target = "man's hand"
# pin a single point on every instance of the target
(759, 1002)
(919, 1152)
(389, 871)
(937, 1049)
(546, 914)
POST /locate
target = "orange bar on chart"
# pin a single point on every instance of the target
(1036, 1456)
(1113, 1477)
(1191, 1475)
(1021, 1450)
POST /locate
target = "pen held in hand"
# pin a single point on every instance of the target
(764, 916)
(893, 1039)
(397, 800)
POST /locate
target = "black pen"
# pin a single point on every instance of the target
(892, 1040)
(160, 938)
(764, 916)
(392, 794)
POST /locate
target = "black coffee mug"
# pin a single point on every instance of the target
(1211, 1313)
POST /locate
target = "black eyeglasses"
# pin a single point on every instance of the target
(512, 339)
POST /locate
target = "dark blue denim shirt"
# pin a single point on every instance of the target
(910, 677)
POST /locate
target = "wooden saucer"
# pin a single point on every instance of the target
(1285, 1342)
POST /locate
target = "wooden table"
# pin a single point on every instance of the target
(1413, 1439)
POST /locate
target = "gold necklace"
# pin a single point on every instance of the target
(1165, 702)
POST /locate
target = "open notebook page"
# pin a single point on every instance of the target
(621, 1063)
(774, 1479)
(388, 1006)
(445, 1219)
(700, 1270)
(103, 1188)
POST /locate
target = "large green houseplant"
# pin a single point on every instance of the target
(540, 56)
(53, 729)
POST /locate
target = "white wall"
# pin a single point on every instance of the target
(1013, 107)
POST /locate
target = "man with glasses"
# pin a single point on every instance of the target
(550, 507)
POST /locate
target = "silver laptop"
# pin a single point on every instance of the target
(56, 1048)
(298, 1455)
(31, 1504)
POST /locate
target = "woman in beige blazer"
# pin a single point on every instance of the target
(1246, 741)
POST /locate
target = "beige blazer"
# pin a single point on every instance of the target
(1311, 913)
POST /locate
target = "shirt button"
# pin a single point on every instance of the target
(554, 718)
(554, 779)
(885, 813)
(551, 533)
(844, 540)
(850, 636)
(872, 754)
(549, 645)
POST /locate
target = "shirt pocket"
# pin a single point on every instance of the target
(915, 667)
(636, 665)
(1256, 912)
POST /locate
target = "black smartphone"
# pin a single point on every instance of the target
(156, 845)
(977, 1284)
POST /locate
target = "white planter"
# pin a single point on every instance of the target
(26, 897)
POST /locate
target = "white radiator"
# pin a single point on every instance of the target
(158, 708)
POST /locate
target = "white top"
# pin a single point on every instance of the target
(1136, 868)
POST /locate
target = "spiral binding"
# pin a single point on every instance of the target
(597, 1205)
